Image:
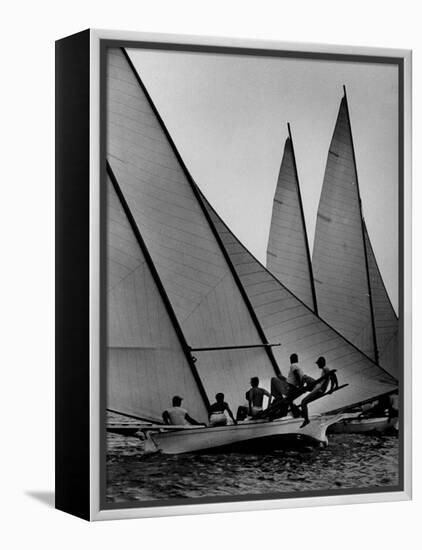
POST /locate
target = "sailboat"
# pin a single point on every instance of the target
(182, 318)
(344, 279)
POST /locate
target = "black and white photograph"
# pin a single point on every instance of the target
(210, 275)
(252, 312)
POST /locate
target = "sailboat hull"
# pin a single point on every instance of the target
(204, 439)
(365, 425)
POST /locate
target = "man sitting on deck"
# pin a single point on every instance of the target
(217, 411)
(255, 397)
(297, 380)
(286, 390)
(178, 416)
(319, 388)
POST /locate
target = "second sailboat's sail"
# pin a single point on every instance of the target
(288, 255)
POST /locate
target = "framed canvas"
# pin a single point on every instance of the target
(233, 274)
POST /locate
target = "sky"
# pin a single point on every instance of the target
(228, 114)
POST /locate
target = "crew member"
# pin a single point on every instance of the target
(255, 397)
(217, 416)
(177, 415)
(298, 383)
(319, 387)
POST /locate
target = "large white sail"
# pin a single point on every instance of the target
(351, 294)
(190, 262)
(146, 364)
(288, 255)
(284, 318)
(339, 260)
(385, 318)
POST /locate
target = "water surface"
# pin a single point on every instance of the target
(349, 461)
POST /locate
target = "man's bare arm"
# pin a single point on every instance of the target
(231, 414)
(193, 421)
(333, 381)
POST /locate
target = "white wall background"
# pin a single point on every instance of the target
(27, 271)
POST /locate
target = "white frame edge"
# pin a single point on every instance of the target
(142, 512)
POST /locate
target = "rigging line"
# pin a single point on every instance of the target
(374, 332)
(134, 416)
(246, 346)
(160, 286)
(308, 255)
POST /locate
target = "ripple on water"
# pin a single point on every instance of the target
(350, 461)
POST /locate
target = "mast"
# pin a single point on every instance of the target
(308, 254)
(246, 346)
(374, 332)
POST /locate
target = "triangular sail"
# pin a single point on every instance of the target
(339, 260)
(286, 319)
(145, 361)
(385, 318)
(288, 251)
(189, 260)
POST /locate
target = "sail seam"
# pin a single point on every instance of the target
(160, 286)
(198, 196)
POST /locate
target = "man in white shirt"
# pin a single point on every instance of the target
(177, 415)
(285, 390)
